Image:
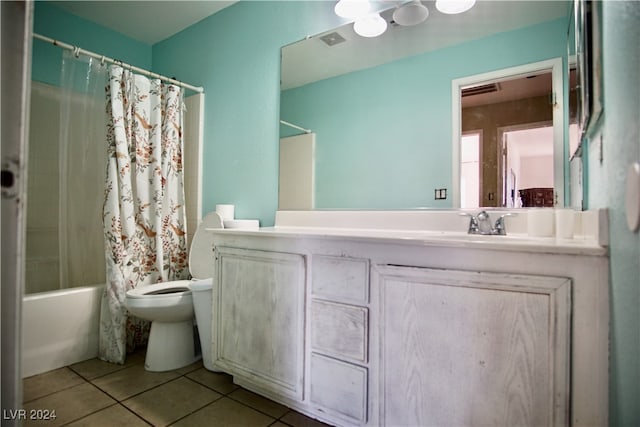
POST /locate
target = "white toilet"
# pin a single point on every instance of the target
(170, 307)
(202, 292)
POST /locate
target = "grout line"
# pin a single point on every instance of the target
(181, 375)
(89, 414)
(135, 413)
(55, 391)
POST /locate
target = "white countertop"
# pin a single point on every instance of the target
(445, 228)
(512, 242)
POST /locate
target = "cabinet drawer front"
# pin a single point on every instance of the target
(340, 278)
(339, 388)
(339, 330)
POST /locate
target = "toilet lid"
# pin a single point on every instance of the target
(201, 253)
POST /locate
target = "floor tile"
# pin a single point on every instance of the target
(135, 358)
(222, 383)
(225, 412)
(278, 424)
(94, 368)
(131, 381)
(41, 385)
(169, 402)
(296, 419)
(190, 368)
(113, 416)
(259, 403)
(69, 404)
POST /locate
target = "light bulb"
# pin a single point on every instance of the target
(411, 13)
(452, 7)
(370, 26)
(352, 8)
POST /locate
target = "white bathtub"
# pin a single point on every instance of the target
(59, 328)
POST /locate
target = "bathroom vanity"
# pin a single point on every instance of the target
(354, 319)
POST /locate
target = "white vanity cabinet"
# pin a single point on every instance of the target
(259, 318)
(339, 330)
(383, 331)
(461, 348)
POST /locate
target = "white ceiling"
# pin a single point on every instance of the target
(311, 60)
(536, 142)
(146, 21)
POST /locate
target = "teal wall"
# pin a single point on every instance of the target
(235, 56)
(369, 122)
(53, 22)
(620, 132)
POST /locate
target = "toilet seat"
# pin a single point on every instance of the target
(160, 290)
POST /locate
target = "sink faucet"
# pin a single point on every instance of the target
(481, 224)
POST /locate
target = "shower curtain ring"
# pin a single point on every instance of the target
(76, 51)
(102, 60)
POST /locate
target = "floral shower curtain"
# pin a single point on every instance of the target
(143, 213)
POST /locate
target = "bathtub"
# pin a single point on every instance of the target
(60, 328)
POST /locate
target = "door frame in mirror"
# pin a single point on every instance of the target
(555, 65)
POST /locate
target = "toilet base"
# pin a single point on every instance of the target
(170, 346)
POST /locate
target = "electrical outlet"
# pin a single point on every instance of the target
(441, 194)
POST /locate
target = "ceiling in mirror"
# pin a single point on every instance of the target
(321, 57)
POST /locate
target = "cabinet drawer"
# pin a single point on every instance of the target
(340, 278)
(339, 388)
(339, 330)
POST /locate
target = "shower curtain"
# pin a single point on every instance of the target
(143, 212)
(82, 155)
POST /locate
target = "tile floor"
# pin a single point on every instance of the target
(96, 393)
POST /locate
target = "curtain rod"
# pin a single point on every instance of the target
(77, 51)
(295, 126)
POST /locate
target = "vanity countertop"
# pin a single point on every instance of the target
(513, 242)
(442, 228)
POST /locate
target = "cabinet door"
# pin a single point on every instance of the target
(260, 318)
(460, 348)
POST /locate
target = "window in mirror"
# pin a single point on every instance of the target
(470, 144)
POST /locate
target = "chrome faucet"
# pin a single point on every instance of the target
(481, 224)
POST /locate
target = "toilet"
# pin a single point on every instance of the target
(170, 307)
(202, 293)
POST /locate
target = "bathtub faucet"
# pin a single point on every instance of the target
(481, 224)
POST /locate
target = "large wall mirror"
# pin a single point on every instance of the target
(380, 109)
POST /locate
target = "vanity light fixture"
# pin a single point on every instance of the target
(370, 25)
(411, 13)
(352, 9)
(451, 7)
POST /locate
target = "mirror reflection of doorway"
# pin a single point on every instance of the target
(518, 98)
(527, 165)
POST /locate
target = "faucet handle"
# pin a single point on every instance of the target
(500, 227)
(473, 222)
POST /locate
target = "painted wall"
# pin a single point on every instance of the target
(383, 132)
(53, 22)
(235, 55)
(620, 132)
